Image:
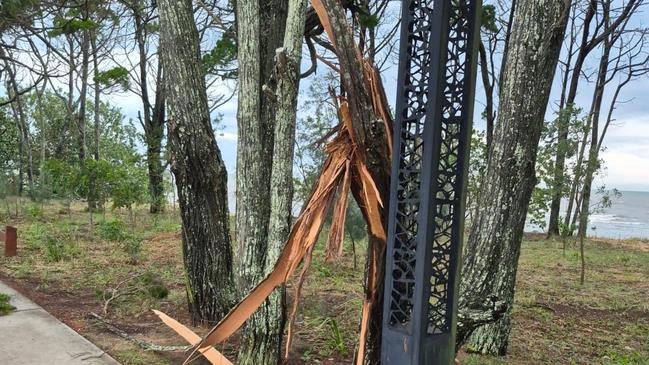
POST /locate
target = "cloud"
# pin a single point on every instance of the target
(226, 136)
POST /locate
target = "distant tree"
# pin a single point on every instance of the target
(595, 27)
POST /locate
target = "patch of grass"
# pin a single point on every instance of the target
(57, 250)
(34, 211)
(5, 307)
(629, 357)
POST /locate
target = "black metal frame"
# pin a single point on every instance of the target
(432, 136)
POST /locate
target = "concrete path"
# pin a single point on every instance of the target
(31, 336)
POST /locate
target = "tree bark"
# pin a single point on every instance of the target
(371, 138)
(154, 118)
(24, 141)
(493, 248)
(197, 165)
(95, 64)
(260, 30)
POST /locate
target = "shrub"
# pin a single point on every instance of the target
(5, 307)
(132, 245)
(112, 230)
(154, 286)
(34, 211)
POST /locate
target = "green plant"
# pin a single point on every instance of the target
(132, 245)
(337, 337)
(5, 307)
(57, 250)
(34, 211)
(154, 286)
(113, 230)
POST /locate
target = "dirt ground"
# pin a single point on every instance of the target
(70, 268)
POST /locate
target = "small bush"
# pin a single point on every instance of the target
(132, 245)
(34, 211)
(154, 285)
(112, 230)
(5, 307)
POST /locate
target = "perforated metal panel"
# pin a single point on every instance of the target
(431, 140)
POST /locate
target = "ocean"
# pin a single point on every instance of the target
(628, 217)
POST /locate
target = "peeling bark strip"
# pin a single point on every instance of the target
(493, 248)
(358, 160)
(196, 163)
(211, 354)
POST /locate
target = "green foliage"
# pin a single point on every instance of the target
(488, 18)
(321, 118)
(13, 9)
(115, 76)
(337, 337)
(154, 285)
(368, 20)
(69, 25)
(627, 358)
(113, 230)
(223, 53)
(57, 250)
(132, 245)
(5, 307)
(129, 185)
(124, 184)
(34, 211)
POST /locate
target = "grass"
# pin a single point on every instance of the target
(70, 268)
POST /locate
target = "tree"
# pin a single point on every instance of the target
(197, 165)
(492, 251)
(269, 80)
(152, 118)
(594, 30)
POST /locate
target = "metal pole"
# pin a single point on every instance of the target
(432, 136)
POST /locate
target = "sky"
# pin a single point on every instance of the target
(626, 153)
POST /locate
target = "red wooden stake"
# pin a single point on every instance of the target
(11, 239)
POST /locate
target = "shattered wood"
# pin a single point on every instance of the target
(345, 170)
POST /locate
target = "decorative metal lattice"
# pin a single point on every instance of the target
(453, 123)
(431, 140)
(414, 100)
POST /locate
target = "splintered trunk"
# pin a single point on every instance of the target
(261, 28)
(493, 248)
(196, 163)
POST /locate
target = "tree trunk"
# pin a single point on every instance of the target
(592, 164)
(493, 247)
(24, 142)
(154, 118)
(560, 161)
(97, 126)
(83, 96)
(196, 162)
(260, 30)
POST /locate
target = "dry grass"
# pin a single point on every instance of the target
(556, 320)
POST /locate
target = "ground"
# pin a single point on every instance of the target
(72, 269)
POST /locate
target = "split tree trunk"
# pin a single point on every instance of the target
(493, 248)
(371, 134)
(260, 30)
(196, 162)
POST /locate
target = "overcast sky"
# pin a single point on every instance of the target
(626, 152)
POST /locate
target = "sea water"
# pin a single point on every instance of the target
(628, 217)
